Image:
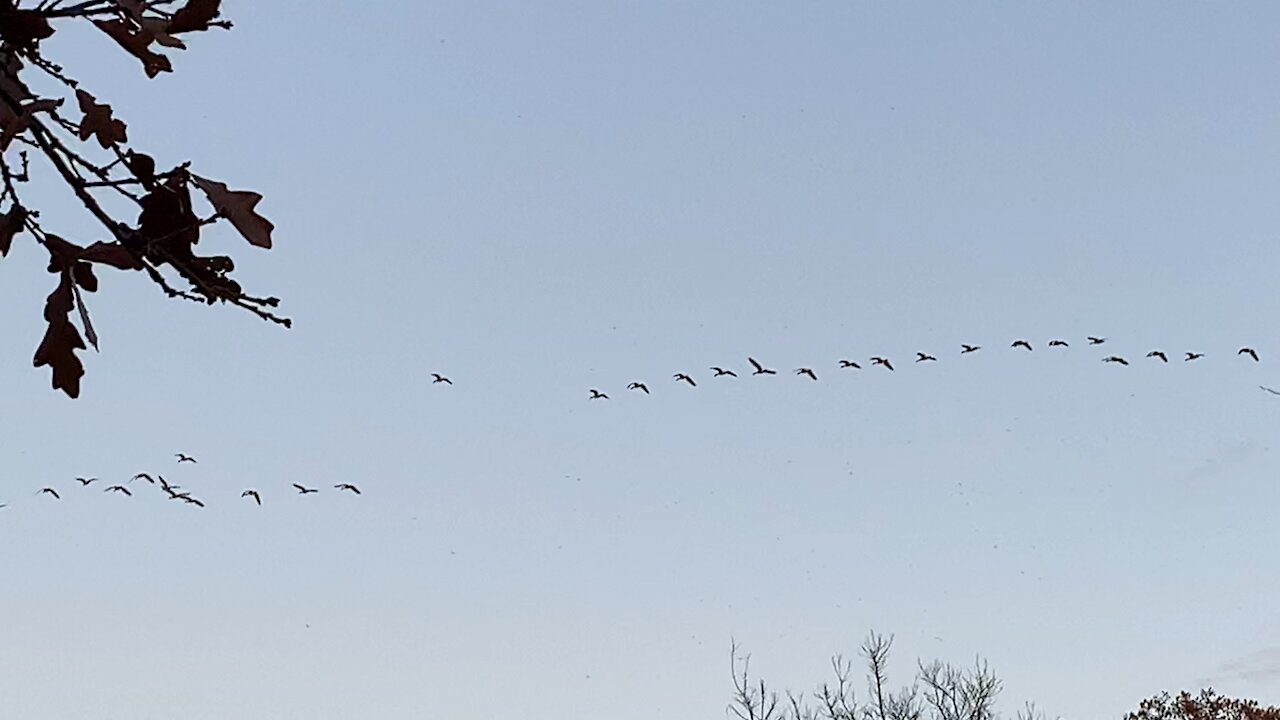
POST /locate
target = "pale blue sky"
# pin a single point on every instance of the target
(537, 200)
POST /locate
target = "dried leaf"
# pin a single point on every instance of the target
(23, 29)
(59, 302)
(11, 126)
(82, 273)
(142, 166)
(138, 43)
(159, 29)
(89, 332)
(11, 224)
(62, 254)
(98, 121)
(57, 350)
(168, 221)
(238, 207)
(195, 15)
(113, 254)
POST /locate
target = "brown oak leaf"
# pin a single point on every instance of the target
(63, 255)
(90, 334)
(159, 29)
(138, 42)
(11, 224)
(167, 221)
(22, 29)
(195, 15)
(98, 121)
(58, 351)
(113, 254)
(238, 207)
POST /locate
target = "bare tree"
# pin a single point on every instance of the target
(939, 691)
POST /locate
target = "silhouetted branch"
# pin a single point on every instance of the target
(167, 228)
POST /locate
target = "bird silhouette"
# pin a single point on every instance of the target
(597, 395)
(882, 361)
(184, 458)
(1248, 351)
(349, 487)
(965, 349)
(850, 364)
(192, 501)
(685, 378)
(1115, 359)
(721, 371)
(119, 489)
(1058, 343)
(1021, 344)
(305, 490)
(438, 378)
(1096, 340)
(252, 494)
(1193, 356)
(923, 357)
(760, 369)
(50, 491)
(166, 486)
(1273, 392)
(173, 495)
(85, 482)
(1158, 354)
(639, 386)
(143, 476)
(807, 371)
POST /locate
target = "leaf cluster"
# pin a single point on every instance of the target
(88, 148)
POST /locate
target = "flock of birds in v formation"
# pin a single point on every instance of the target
(887, 364)
(595, 394)
(172, 490)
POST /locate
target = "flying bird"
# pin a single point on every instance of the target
(305, 490)
(850, 364)
(639, 386)
(760, 369)
(1115, 359)
(882, 361)
(1193, 356)
(348, 486)
(1058, 343)
(438, 378)
(179, 495)
(253, 494)
(1273, 392)
(721, 371)
(166, 486)
(807, 371)
(923, 357)
(143, 476)
(50, 491)
(682, 377)
(597, 395)
(1158, 354)
(192, 501)
(1248, 351)
(1021, 344)
(119, 489)
(184, 458)
(84, 482)
(965, 349)
(1096, 340)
